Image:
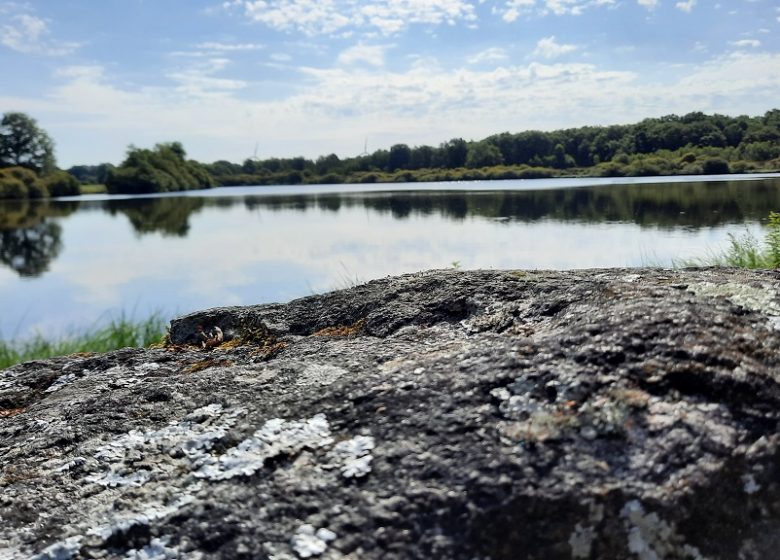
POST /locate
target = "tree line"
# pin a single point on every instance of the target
(694, 143)
(690, 144)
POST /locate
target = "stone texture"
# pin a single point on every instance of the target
(605, 414)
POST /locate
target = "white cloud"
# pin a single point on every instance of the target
(686, 6)
(343, 17)
(513, 9)
(649, 4)
(334, 109)
(199, 80)
(229, 47)
(29, 34)
(754, 43)
(493, 54)
(548, 48)
(372, 55)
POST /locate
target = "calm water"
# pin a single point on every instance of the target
(70, 263)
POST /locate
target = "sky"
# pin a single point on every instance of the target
(280, 78)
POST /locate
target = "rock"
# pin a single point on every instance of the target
(602, 414)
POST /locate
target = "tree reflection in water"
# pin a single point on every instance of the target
(29, 251)
(29, 239)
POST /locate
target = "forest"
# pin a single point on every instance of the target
(691, 144)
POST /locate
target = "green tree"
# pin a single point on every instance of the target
(483, 154)
(400, 156)
(455, 152)
(162, 169)
(23, 143)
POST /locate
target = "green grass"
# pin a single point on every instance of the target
(93, 189)
(120, 332)
(746, 251)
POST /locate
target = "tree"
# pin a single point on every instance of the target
(23, 143)
(163, 169)
(483, 154)
(400, 156)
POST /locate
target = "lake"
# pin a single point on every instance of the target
(71, 263)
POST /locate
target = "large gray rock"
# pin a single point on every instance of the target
(505, 415)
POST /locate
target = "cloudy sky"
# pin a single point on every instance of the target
(308, 77)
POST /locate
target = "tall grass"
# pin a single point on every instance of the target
(746, 251)
(120, 332)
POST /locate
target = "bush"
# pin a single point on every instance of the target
(741, 167)
(62, 184)
(10, 187)
(715, 166)
(26, 176)
(691, 169)
(610, 169)
(330, 179)
(38, 190)
(536, 173)
(368, 178)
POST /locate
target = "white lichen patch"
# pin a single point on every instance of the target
(276, 437)
(763, 299)
(63, 550)
(147, 515)
(61, 381)
(120, 477)
(306, 542)
(198, 445)
(158, 549)
(652, 538)
(353, 456)
(192, 437)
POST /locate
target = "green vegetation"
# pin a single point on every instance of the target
(92, 188)
(119, 333)
(746, 251)
(20, 182)
(691, 144)
(24, 144)
(91, 174)
(27, 165)
(163, 169)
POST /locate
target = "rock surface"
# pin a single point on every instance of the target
(606, 414)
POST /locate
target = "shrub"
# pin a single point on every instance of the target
(62, 184)
(26, 176)
(368, 178)
(691, 169)
(536, 173)
(741, 167)
(610, 169)
(11, 187)
(330, 179)
(715, 166)
(38, 190)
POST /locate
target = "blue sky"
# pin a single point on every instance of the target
(306, 77)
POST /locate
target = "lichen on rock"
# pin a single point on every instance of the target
(610, 414)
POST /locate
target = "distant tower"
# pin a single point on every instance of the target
(365, 149)
(254, 156)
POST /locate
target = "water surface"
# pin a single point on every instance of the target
(72, 262)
